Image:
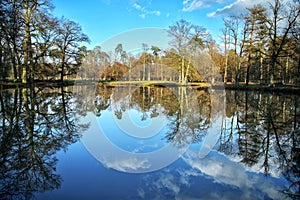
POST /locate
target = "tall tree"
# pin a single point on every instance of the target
(68, 51)
(226, 40)
(44, 43)
(32, 13)
(155, 51)
(181, 32)
(118, 52)
(187, 39)
(236, 35)
(281, 23)
(145, 48)
(31, 39)
(256, 29)
(10, 44)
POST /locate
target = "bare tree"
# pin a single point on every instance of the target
(281, 23)
(68, 51)
(187, 39)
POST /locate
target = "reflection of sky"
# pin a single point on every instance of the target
(137, 116)
(227, 172)
(127, 142)
(214, 177)
(273, 168)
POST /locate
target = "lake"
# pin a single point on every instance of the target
(156, 142)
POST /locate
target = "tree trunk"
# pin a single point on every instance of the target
(182, 71)
(226, 68)
(248, 74)
(261, 78)
(1, 64)
(63, 65)
(187, 72)
(27, 45)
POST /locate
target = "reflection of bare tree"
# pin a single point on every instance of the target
(91, 98)
(192, 118)
(249, 131)
(35, 124)
(188, 110)
(292, 173)
(266, 127)
(226, 137)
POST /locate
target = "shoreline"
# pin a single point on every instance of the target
(196, 85)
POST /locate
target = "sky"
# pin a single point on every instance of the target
(103, 19)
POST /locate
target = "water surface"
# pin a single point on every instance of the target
(169, 143)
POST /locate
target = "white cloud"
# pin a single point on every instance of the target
(157, 13)
(191, 5)
(144, 11)
(237, 7)
(138, 7)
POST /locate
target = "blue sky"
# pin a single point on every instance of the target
(103, 19)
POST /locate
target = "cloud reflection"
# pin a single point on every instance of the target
(215, 177)
(228, 172)
(132, 164)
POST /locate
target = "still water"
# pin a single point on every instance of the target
(100, 142)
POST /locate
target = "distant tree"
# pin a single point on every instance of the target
(181, 32)
(226, 41)
(94, 64)
(114, 72)
(235, 35)
(155, 51)
(187, 39)
(119, 52)
(145, 48)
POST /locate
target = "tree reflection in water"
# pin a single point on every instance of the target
(36, 123)
(265, 129)
(188, 110)
(261, 130)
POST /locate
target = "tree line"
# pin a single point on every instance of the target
(263, 44)
(260, 46)
(36, 45)
(189, 43)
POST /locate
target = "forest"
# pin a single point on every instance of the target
(258, 47)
